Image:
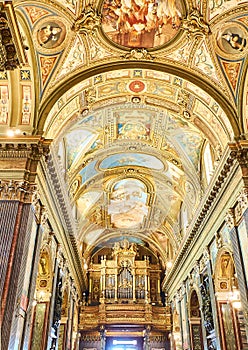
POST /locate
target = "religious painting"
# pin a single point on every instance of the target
(127, 205)
(140, 23)
(133, 131)
(127, 159)
(134, 124)
(191, 144)
(51, 33)
(232, 40)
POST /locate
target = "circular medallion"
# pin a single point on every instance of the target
(136, 86)
(141, 23)
(49, 34)
(232, 40)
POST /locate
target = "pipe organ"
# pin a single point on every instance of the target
(124, 276)
(124, 298)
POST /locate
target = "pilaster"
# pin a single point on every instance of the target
(19, 160)
(239, 265)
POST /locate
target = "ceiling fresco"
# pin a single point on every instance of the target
(141, 24)
(132, 93)
(127, 205)
(131, 165)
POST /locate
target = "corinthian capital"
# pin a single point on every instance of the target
(16, 190)
(230, 218)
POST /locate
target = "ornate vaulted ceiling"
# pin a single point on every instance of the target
(132, 93)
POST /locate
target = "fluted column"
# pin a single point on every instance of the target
(19, 160)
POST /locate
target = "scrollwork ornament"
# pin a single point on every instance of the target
(243, 199)
(43, 215)
(206, 256)
(16, 190)
(219, 241)
(88, 22)
(197, 269)
(59, 256)
(183, 289)
(36, 202)
(194, 24)
(230, 218)
(138, 54)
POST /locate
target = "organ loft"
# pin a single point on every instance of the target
(124, 288)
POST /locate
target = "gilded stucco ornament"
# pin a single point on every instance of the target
(88, 22)
(194, 24)
(230, 218)
(13, 190)
(138, 54)
(11, 45)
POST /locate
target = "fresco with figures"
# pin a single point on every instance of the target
(141, 24)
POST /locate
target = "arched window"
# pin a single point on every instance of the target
(183, 219)
(208, 165)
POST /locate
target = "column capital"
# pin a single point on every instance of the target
(19, 159)
(239, 150)
(230, 218)
(16, 190)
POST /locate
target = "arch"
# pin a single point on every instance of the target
(171, 69)
(224, 271)
(195, 323)
(44, 278)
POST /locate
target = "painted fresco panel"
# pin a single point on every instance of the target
(140, 23)
(88, 172)
(126, 159)
(127, 207)
(78, 141)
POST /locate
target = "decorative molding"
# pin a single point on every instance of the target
(138, 54)
(68, 221)
(23, 154)
(16, 190)
(204, 260)
(11, 45)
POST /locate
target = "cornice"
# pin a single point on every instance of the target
(11, 45)
(24, 147)
(227, 164)
(65, 215)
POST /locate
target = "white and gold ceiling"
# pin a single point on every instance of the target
(131, 92)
